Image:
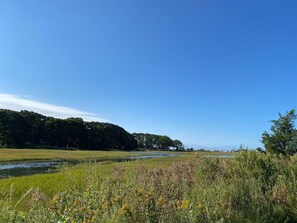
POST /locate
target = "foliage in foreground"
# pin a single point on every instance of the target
(252, 187)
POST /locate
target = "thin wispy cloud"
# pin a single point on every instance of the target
(17, 103)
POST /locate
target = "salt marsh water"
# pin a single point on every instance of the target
(29, 168)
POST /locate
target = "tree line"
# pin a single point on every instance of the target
(157, 142)
(29, 129)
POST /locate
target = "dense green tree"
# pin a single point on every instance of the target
(75, 130)
(146, 141)
(164, 142)
(29, 129)
(55, 134)
(117, 137)
(283, 136)
(12, 128)
(155, 142)
(34, 124)
(178, 145)
(20, 129)
(140, 138)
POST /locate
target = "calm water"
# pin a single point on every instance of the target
(22, 169)
(147, 155)
(30, 168)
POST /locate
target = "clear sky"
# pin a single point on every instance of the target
(210, 73)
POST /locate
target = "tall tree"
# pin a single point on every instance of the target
(155, 142)
(12, 128)
(75, 130)
(164, 142)
(283, 136)
(34, 125)
(179, 146)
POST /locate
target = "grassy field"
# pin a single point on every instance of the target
(54, 183)
(252, 187)
(46, 154)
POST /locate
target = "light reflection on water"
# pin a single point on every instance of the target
(27, 165)
(30, 168)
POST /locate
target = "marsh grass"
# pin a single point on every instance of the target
(252, 187)
(47, 154)
(53, 183)
(8, 155)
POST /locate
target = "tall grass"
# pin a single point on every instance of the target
(252, 187)
(47, 154)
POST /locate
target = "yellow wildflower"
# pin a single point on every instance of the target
(184, 204)
(106, 205)
(116, 199)
(75, 203)
(200, 206)
(140, 191)
(124, 209)
(161, 202)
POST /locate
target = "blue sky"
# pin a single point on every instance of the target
(210, 73)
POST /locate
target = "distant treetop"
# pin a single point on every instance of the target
(157, 142)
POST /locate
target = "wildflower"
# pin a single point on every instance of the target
(140, 191)
(161, 202)
(75, 203)
(106, 205)
(124, 209)
(200, 206)
(184, 204)
(53, 202)
(116, 199)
